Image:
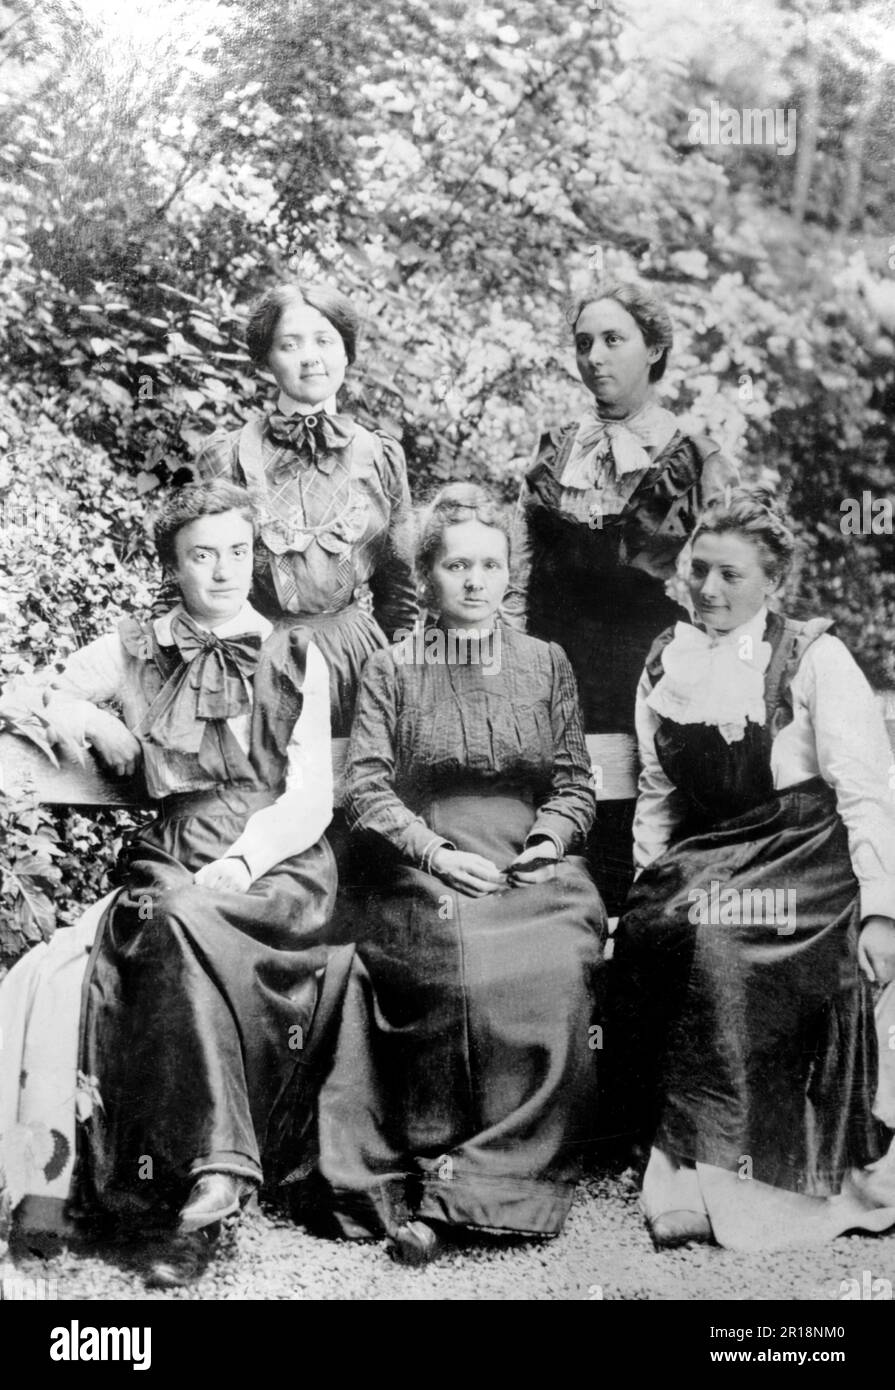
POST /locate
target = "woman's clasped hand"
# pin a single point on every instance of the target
(476, 875)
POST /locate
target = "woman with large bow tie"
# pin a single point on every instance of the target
(603, 514)
(741, 1034)
(336, 531)
(204, 966)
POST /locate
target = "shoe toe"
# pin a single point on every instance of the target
(415, 1243)
(674, 1228)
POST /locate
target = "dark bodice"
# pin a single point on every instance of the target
(598, 587)
(425, 729)
(277, 684)
(720, 780)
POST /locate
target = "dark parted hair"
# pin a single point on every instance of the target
(455, 503)
(645, 308)
(755, 514)
(189, 503)
(331, 303)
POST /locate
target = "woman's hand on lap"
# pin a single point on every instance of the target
(113, 741)
(229, 875)
(470, 873)
(876, 949)
(543, 849)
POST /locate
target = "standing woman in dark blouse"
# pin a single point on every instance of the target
(336, 536)
(463, 1084)
(603, 515)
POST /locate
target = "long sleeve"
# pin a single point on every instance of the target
(392, 583)
(371, 802)
(568, 813)
(298, 817)
(66, 694)
(838, 731)
(514, 609)
(659, 804)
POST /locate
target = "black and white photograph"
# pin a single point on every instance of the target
(447, 659)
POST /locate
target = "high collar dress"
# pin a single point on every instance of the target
(335, 552)
(464, 1085)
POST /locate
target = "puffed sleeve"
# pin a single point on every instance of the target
(660, 807)
(218, 457)
(392, 583)
(854, 756)
(65, 694)
(298, 818)
(718, 473)
(371, 803)
(568, 813)
(514, 609)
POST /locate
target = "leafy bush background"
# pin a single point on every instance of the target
(462, 170)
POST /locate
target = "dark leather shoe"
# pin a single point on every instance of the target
(674, 1228)
(180, 1260)
(213, 1197)
(415, 1243)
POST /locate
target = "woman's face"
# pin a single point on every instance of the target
(213, 566)
(307, 355)
(613, 358)
(728, 582)
(470, 574)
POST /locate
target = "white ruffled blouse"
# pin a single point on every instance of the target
(837, 732)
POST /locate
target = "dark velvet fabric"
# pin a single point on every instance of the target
(584, 591)
(198, 1004)
(743, 1027)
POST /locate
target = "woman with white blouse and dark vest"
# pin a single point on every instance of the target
(741, 1031)
(602, 517)
(205, 962)
(336, 529)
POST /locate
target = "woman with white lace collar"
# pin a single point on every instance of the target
(603, 515)
(763, 914)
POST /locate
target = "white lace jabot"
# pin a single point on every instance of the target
(628, 441)
(715, 679)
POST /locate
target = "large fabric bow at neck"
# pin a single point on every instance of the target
(209, 684)
(651, 427)
(713, 680)
(314, 435)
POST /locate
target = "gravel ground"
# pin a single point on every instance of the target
(604, 1252)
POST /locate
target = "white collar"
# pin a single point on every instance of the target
(287, 405)
(246, 620)
(715, 679)
(632, 442)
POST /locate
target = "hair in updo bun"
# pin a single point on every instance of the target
(455, 503)
(268, 309)
(754, 513)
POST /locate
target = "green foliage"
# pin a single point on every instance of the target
(29, 845)
(74, 558)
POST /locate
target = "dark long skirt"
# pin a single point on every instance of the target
(346, 639)
(464, 1084)
(197, 1011)
(749, 1039)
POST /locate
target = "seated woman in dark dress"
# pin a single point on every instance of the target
(206, 961)
(336, 535)
(603, 515)
(463, 1083)
(741, 1028)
